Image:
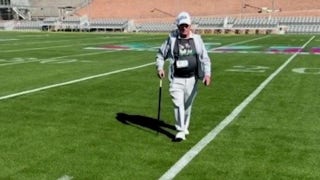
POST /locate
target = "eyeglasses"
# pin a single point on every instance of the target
(182, 26)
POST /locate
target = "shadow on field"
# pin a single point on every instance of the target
(146, 122)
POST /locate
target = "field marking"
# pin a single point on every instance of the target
(48, 47)
(72, 82)
(195, 150)
(65, 177)
(3, 40)
(53, 58)
(241, 42)
(94, 53)
(33, 49)
(60, 46)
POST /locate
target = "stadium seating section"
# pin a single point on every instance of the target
(229, 16)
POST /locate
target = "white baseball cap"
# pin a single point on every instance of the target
(183, 18)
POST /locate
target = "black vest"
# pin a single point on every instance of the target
(185, 58)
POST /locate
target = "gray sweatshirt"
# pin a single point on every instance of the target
(165, 52)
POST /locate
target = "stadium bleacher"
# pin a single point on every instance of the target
(59, 15)
(156, 27)
(255, 22)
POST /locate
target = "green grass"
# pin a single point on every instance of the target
(104, 128)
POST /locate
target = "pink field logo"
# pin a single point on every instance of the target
(116, 47)
(212, 49)
(285, 49)
(315, 50)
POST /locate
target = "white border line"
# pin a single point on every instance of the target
(72, 82)
(195, 150)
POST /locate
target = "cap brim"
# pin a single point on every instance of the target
(184, 22)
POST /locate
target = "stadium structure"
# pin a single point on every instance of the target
(209, 17)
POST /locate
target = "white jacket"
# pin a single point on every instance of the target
(165, 52)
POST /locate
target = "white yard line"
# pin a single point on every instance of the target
(241, 42)
(72, 82)
(195, 150)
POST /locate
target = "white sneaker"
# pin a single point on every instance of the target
(180, 136)
(186, 132)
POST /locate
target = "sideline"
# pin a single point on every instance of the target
(72, 82)
(195, 150)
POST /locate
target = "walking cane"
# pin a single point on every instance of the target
(159, 105)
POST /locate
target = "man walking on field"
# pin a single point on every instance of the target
(189, 62)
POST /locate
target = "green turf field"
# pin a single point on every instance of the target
(84, 106)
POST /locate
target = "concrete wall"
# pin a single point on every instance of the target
(140, 9)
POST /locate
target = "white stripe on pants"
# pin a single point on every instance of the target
(183, 91)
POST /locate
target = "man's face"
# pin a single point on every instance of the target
(184, 30)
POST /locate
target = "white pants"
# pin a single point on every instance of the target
(183, 91)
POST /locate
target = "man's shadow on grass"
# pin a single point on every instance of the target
(146, 122)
